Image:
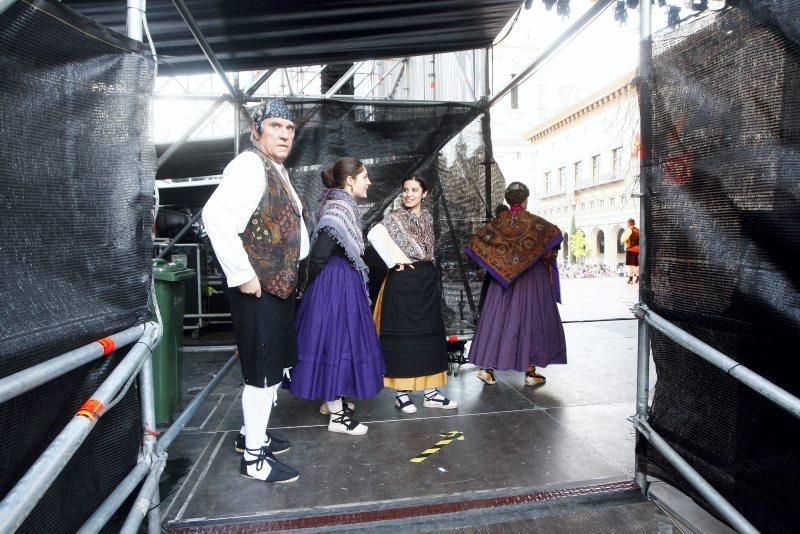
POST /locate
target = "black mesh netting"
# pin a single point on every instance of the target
(444, 143)
(77, 173)
(723, 238)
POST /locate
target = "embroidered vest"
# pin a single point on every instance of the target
(272, 236)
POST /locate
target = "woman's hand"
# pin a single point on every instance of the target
(401, 266)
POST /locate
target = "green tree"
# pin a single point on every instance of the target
(572, 229)
(578, 246)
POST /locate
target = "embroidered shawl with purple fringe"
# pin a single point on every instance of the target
(511, 243)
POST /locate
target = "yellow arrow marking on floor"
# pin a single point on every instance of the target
(448, 438)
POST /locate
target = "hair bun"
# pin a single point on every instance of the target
(327, 178)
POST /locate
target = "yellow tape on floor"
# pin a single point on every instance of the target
(448, 438)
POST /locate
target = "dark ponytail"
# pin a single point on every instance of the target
(336, 176)
(327, 178)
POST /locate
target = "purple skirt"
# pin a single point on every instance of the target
(338, 350)
(519, 326)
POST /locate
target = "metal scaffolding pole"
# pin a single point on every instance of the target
(28, 490)
(344, 79)
(712, 496)
(746, 376)
(259, 82)
(643, 335)
(180, 234)
(591, 14)
(201, 40)
(172, 432)
(486, 130)
(141, 506)
(148, 406)
(133, 22)
(103, 514)
(383, 76)
(173, 148)
(32, 377)
(237, 117)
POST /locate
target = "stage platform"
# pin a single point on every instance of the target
(564, 448)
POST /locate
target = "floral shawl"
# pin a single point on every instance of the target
(413, 234)
(514, 241)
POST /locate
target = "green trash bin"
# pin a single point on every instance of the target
(167, 356)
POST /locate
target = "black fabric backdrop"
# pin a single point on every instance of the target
(722, 241)
(76, 182)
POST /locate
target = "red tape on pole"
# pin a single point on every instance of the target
(92, 409)
(109, 345)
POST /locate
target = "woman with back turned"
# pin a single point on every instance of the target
(519, 327)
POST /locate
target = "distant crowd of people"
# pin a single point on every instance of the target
(591, 271)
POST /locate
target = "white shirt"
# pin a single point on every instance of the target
(228, 211)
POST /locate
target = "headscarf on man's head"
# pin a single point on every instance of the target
(271, 108)
(516, 193)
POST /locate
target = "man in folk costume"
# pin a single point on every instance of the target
(630, 239)
(255, 222)
(519, 327)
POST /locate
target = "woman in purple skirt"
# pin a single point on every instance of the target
(519, 327)
(338, 350)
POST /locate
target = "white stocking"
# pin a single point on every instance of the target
(334, 406)
(256, 407)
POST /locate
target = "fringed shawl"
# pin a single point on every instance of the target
(412, 233)
(339, 217)
(511, 243)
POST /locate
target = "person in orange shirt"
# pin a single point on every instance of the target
(630, 238)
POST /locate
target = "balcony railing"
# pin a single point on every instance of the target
(603, 179)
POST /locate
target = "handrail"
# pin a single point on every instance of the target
(153, 463)
(103, 513)
(712, 496)
(142, 503)
(32, 377)
(29, 490)
(746, 376)
(172, 432)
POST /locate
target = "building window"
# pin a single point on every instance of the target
(601, 242)
(602, 203)
(595, 167)
(591, 204)
(562, 172)
(611, 202)
(623, 200)
(616, 160)
(577, 168)
(514, 96)
(566, 209)
(558, 210)
(583, 206)
(547, 182)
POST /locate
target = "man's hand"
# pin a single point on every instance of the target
(253, 287)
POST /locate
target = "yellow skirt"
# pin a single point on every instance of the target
(417, 383)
